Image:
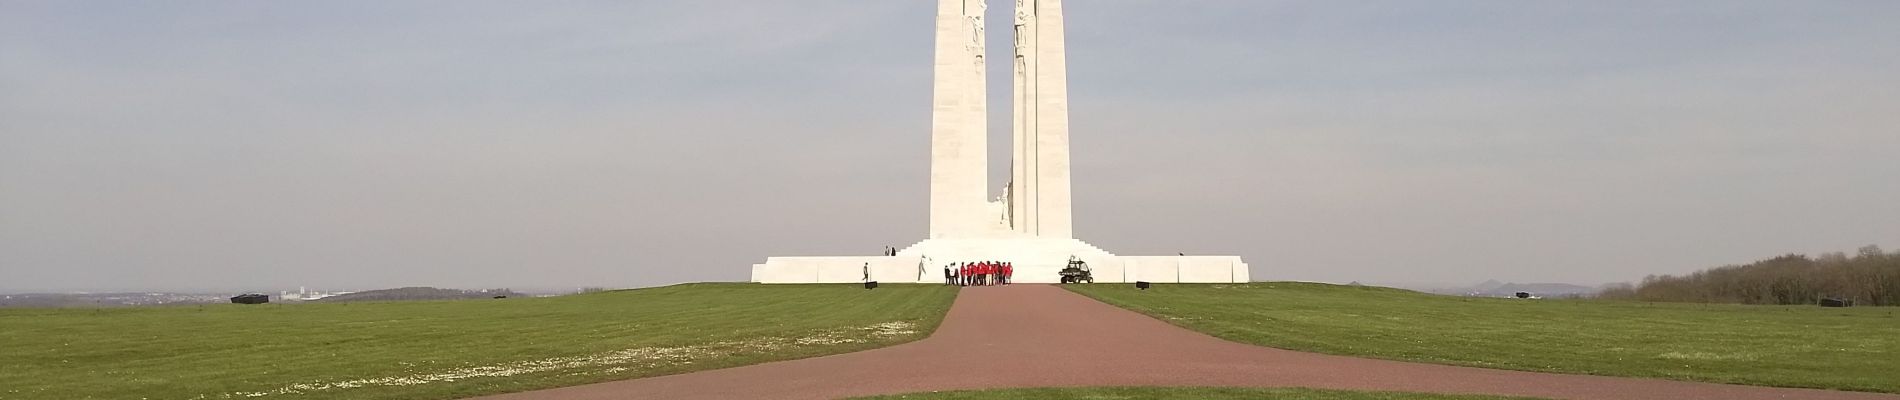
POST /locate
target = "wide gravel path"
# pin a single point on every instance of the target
(1044, 336)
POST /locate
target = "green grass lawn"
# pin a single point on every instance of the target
(1794, 346)
(1176, 394)
(445, 349)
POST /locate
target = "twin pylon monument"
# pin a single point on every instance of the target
(1030, 224)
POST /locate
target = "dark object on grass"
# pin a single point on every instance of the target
(870, 285)
(1523, 295)
(501, 297)
(1143, 285)
(1834, 302)
(250, 298)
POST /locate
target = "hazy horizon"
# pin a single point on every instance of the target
(192, 145)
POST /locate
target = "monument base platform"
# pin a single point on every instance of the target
(1037, 260)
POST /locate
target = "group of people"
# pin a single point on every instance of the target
(982, 273)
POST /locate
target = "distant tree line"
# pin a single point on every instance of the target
(420, 293)
(1870, 277)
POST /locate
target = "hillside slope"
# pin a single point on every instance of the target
(444, 349)
(1793, 346)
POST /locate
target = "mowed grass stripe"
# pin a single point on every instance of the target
(184, 352)
(1134, 393)
(1791, 346)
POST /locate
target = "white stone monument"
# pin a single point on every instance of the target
(1030, 226)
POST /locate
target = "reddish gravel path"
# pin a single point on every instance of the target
(1043, 336)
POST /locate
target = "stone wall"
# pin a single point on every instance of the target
(1183, 269)
(841, 270)
(905, 269)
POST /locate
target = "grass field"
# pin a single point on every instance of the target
(1793, 346)
(441, 350)
(1175, 394)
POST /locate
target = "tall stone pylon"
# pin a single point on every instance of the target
(959, 155)
(1039, 169)
(1030, 229)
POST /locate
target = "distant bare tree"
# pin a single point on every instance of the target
(1617, 291)
(1871, 251)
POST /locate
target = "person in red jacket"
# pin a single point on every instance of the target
(975, 269)
(969, 273)
(1009, 273)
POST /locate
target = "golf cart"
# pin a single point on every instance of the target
(1077, 272)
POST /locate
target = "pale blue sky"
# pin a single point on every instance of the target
(361, 144)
